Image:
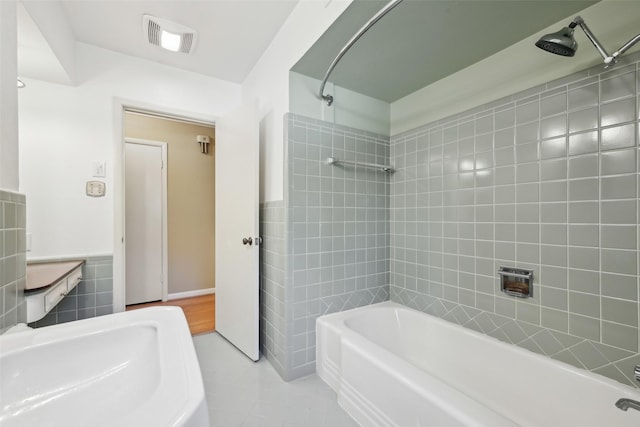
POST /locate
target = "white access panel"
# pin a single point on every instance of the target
(143, 223)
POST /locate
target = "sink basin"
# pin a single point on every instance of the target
(137, 368)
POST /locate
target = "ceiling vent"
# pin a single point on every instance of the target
(168, 35)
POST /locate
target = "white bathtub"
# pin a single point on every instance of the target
(394, 366)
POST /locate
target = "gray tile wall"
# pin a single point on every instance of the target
(13, 264)
(337, 229)
(92, 297)
(546, 179)
(272, 285)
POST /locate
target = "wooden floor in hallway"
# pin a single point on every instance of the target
(199, 311)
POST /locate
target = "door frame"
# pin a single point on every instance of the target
(164, 212)
(120, 106)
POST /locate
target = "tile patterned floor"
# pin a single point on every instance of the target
(245, 394)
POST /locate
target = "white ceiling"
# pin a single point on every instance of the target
(232, 34)
(422, 41)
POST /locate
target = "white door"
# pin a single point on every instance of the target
(237, 304)
(143, 223)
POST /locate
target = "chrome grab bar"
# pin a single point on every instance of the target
(625, 404)
(335, 161)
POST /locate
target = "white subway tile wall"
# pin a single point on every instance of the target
(548, 180)
(13, 259)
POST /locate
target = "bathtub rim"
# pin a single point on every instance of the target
(333, 333)
(333, 319)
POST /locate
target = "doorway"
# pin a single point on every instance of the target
(190, 169)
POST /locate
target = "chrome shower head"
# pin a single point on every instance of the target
(561, 42)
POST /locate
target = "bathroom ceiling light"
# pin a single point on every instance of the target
(168, 35)
(170, 41)
(21, 84)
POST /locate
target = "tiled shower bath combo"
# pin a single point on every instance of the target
(546, 180)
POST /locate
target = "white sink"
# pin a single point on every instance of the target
(137, 368)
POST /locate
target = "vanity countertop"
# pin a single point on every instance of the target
(43, 274)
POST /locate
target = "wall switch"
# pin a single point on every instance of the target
(99, 169)
(28, 242)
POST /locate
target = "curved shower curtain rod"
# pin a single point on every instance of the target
(382, 12)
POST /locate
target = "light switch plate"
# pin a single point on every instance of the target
(99, 169)
(95, 188)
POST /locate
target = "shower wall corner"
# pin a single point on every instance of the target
(335, 225)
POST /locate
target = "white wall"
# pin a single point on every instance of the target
(64, 129)
(268, 82)
(516, 68)
(8, 97)
(52, 24)
(349, 108)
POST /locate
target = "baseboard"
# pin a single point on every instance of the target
(189, 294)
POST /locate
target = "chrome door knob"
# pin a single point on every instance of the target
(247, 241)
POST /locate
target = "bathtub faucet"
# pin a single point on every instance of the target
(625, 404)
